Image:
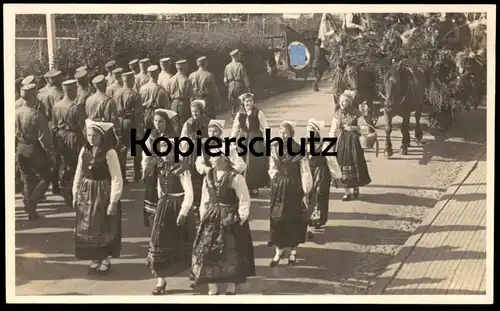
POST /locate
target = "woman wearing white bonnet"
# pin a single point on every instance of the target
(97, 189)
(350, 154)
(173, 225)
(250, 122)
(291, 182)
(324, 169)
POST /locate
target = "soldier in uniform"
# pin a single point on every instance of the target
(134, 66)
(117, 84)
(164, 75)
(153, 97)
(34, 151)
(69, 124)
(130, 114)
(83, 90)
(236, 79)
(142, 77)
(45, 87)
(205, 88)
(100, 107)
(180, 92)
(110, 66)
(19, 102)
(52, 95)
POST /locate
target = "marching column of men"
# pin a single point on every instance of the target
(50, 122)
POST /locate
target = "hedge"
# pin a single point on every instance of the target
(125, 39)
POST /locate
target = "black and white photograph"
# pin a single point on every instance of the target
(139, 162)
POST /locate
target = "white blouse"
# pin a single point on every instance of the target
(237, 127)
(114, 171)
(239, 164)
(240, 187)
(305, 170)
(187, 202)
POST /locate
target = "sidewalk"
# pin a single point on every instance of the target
(447, 254)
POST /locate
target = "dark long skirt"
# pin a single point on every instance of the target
(170, 246)
(319, 196)
(150, 199)
(351, 158)
(288, 213)
(97, 235)
(223, 249)
(256, 174)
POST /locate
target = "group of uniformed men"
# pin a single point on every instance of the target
(50, 122)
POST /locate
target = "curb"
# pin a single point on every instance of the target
(397, 262)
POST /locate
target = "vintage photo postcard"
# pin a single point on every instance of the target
(278, 153)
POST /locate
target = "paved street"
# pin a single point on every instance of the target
(447, 252)
(359, 241)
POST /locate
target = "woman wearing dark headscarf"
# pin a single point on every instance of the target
(250, 122)
(291, 182)
(172, 230)
(163, 128)
(97, 189)
(196, 127)
(350, 154)
(223, 250)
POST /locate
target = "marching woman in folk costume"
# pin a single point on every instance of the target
(163, 128)
(215, 129)
(194, 128)
(223, 249)
(172, 230)
(250, 122)
(291, 182)
(350, 154)
(324, 169)
(97, 189)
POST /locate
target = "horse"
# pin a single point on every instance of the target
(350, 76)
(404, 93)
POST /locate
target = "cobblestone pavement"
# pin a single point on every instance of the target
(357, 244)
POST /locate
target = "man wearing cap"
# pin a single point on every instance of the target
(134, 66)
(19, 102)
(164, 75)
(68, 127)
(53, 92)
(18, 88)
(180, 91)
(83, 90)
(46, 86)
(100, 107)
(205, 88)
(48, 98)
(153, 97)
(110, 66)
(34, 150)
(130, 114)
(142, 77)
(117, 83)
(236, 79)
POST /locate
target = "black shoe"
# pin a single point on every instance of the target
(355, 192)
(106, 270)
(33, 217)
(346, 197)
(160, 290)
(292, 262)
(230, 293)
(56, 191)
(93, 269)
(310, 235)
(274, 263)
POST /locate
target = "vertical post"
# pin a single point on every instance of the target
(51, 38)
